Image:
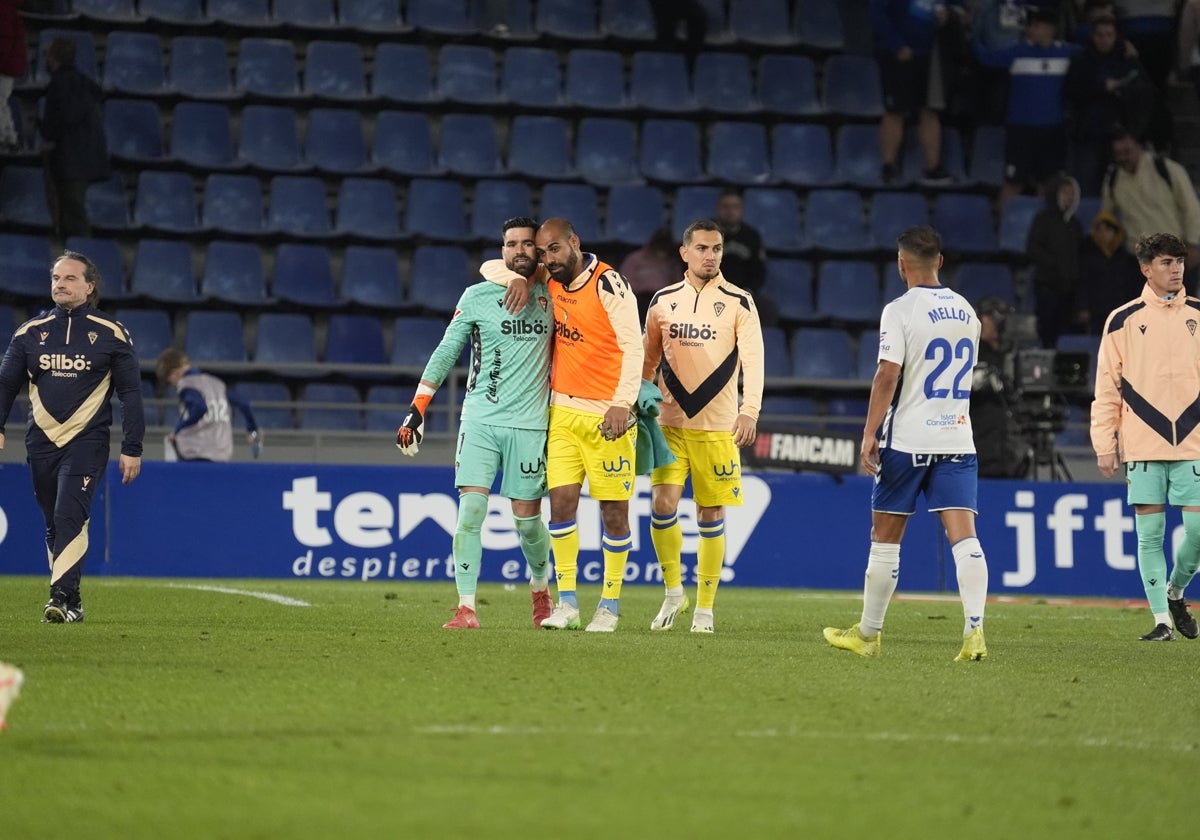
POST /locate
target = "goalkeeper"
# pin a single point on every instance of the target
(504, 412)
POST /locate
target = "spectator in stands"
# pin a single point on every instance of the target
(1187, 52)
(205, 428)
(1053, 244)
(997, 24)
(1108, 274)
(652, 266)
(1149, 25)
(669, 14)
(999, 442)
(745, 262)
(73, 128)
(912, 80)
(1035, 137)
(12, 67)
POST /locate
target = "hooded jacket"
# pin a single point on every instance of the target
(1053, 243)
(1108, 276)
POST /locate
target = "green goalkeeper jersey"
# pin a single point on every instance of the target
(509, 381)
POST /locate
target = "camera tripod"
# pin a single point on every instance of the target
(1044, 454)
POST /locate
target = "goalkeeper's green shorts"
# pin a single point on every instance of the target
(1163, 482)
(485, 450)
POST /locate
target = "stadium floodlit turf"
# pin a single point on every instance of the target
(182, 712)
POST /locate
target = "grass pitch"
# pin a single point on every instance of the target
(183, 712)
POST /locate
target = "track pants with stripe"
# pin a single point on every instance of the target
(64, 483)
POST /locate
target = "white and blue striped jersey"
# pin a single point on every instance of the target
(933, 334)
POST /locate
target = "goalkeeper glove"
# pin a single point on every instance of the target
(408, 436)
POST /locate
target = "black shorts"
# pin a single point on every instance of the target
(1033, 153)
(905, 84)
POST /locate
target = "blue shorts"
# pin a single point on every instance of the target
(948, 481)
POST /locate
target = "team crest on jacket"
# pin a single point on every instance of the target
(718, 308)
(92, 337)
(1191, 325)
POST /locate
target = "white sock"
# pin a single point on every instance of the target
(1163, 618)
(1174, 593)
(539, 584)
(675, 593)
(883, 571)
(972, 581)
(467, 601)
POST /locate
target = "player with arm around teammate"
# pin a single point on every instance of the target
(930, 335)
(504, 415)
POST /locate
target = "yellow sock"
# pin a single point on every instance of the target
(616, 553)
(667, 537)
(564, 540)
(710, 557)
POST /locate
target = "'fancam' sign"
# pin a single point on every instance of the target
(832, 452)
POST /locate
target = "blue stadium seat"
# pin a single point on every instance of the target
(26, 261)
(118, 11)
(912, 165)
(133, 63)
(531, 77)
(789, 283)
(987, 155)
(469, 145)
(214, 337)
(659, 81)
(166, 201)
(787, 86)
(494, 203)
(107, 204)
(467, 74)
(780, 412)
(297, 205)
(232, 204)
(578, 204)
(820, 353)
(233, 273)
(1015, 220)
(893, 284)
(333, 419)
(776, 214)
(304, 275)
(670, 151)
(85, 53)
(283, 338)
(848, 291)
(386, 407)
(975, 281)
(627, 20)
(162, 271)
(373, 16)
(267, 67)
(853, 410)
(596, 80)
(632, 211)
(367, 207)
(858, 160)
(371, 277)
(309, 14)
(173, 11)
(355, 340)
(718, 22)
(23, 196)
(965, 223)
(868, 354)
(151, 330)
(421, 337)
(724, 83)
(202, 135)
(818, 25)
(437, 209)
(268, 416)
(852, 87)
(334, 70)
(540, 147)
(764, 22)
(737, 152)
(403, 73)
(444, 17)
(334, 142)
(777, 358)
(566, 19)
(802, 154)
(691, 203)
(269, 139)
(835, 221)
(439, 275)
(133, 128)
(404, 143)
(200, 67)
(106, 254)
(1077, 432)
(606, 151)
(892, 213)
(247, 13)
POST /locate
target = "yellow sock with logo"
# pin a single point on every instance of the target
(616, 554)
(710, 557)
(564, 542)
(667, 538)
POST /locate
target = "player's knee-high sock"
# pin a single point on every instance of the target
(535, 545)
(1187, 561)
(616, 553)
(710, 557)
(667, 537)
(1152, 562)
(883, 571)
(972, 581)
(468, 549)
(564, 542)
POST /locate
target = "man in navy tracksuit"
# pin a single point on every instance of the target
(73, 357)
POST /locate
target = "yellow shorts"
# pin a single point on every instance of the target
(575, 449)
(712, 460)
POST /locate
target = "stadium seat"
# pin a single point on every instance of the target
(531, 77)
(443, 17)
(818, 25)
(269, 139)
(214, 337)
(892, 213)
(421, 337)
(975, 281)
(578, 204)
(107, 204)
(245, 13)
(737, 152)
(85, 53)
(283, 338)
(1077, 432)
(334, 70)
(201, 135)
(233, 273)
(106, 254)
(304, 275)
(606, 151)
(987, 155)
(777, 359)
(436, 209)
(495, 202)
(835, 221)
(308, 14)
(566, 19)
(133, 63)
(334, 142)
(658, 81)
(868, 355)
(403, 73)
(820, 353)
(261, 393)
(162, 271)
(848, 291)
(632, 211)
(386, 407)
(540, 148)
(761, 22)
(790, 285)
(23, 196)
(467, 74)
(469, 146)
(802, 154)
(232, 204)
(627, 20)
(596, 80)
(965, 223)
(852, 87)
(776, 215)
(858, 160)
(439, 275)
(367, 207)
(347, 419)
(297, 206)
(371, 277)
(787, 86)
(26, 261)
(173, 11)
(912, 165)
(354, 340)
(404, 143)
(783, 413)
(266, 67)
(670, 151)
(691, 203)
(893, 284)
(151, 331)
(117, 11)
(724, 83)
(133, 129)
(376, 16)
(1015, 220)
(718, 31)
(166, 201)
(846, 414)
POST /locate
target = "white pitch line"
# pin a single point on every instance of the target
(224, 590)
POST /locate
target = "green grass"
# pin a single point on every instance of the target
(183, 713)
